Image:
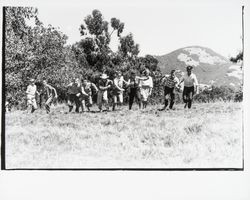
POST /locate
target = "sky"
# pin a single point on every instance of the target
(159, 27)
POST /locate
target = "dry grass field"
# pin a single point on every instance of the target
(207, 136)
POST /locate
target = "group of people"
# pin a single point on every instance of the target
(80, 93)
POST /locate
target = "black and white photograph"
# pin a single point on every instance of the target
(128, 86)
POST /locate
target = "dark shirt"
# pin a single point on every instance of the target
(74, 89)
(104, 83)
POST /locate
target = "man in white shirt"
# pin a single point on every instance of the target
(31, 95)
(146, 87)
(190, 86)
(118, 90)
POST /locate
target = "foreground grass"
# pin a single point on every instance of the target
(209, 135)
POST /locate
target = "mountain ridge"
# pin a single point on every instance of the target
(210, 67)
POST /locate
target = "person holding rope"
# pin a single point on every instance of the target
(50, 95)
(190, 86)
(169, 82)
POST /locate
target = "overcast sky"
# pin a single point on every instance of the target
(158, 26)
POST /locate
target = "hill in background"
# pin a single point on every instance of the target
(210, 67)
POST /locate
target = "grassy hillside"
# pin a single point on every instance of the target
(205, 71)
(209, 135)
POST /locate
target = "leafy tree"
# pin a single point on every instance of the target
(238, 58)
(117, 25)
(31, 52)
(128, 48)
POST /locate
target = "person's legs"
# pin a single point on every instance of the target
(105, 99)
(78, 103)
(167, 91)
(89, 102)
(83, 105)
(138, 97)
(120, 98)
(34, 105)
(191, 94)
(70, 101)
(114, 101)
(99, 99)
(172, 98)
(48, 103)
(131, 95)
(143, 97)
(184, 96)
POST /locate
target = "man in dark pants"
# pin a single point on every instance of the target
(134, 90)
(169, 82)
(190, 87)
(74, 92)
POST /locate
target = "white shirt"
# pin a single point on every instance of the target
(147, 83)
(31, 90)
(189, 81)
(119, 81)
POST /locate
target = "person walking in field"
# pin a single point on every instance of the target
(89, 88)
(118, 90)
(31, 95)
(134, 89)
(74, 94)
(146, 86)
(104, 85)
(170, 82)
(50, 95)
(190, 86)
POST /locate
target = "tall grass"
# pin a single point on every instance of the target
(209, 135)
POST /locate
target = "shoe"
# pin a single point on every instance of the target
(162, 109)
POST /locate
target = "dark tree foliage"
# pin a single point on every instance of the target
(33, 52)
(238, 58)
(219, 93)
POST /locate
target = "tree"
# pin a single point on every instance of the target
(31, 52)
(238, 58)
(128, 48)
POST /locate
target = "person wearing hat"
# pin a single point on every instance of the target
(146, 86)
(190, 86)
(31, 95)
(169, 82)
(88, 88)
(117, 91)
(50, 95)
(104, 85)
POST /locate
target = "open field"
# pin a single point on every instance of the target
(209, 135)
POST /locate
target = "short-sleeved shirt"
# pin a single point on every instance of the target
(189, 81)
(31, 91)
(147, 83)
(170, 82)
(119, 81)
